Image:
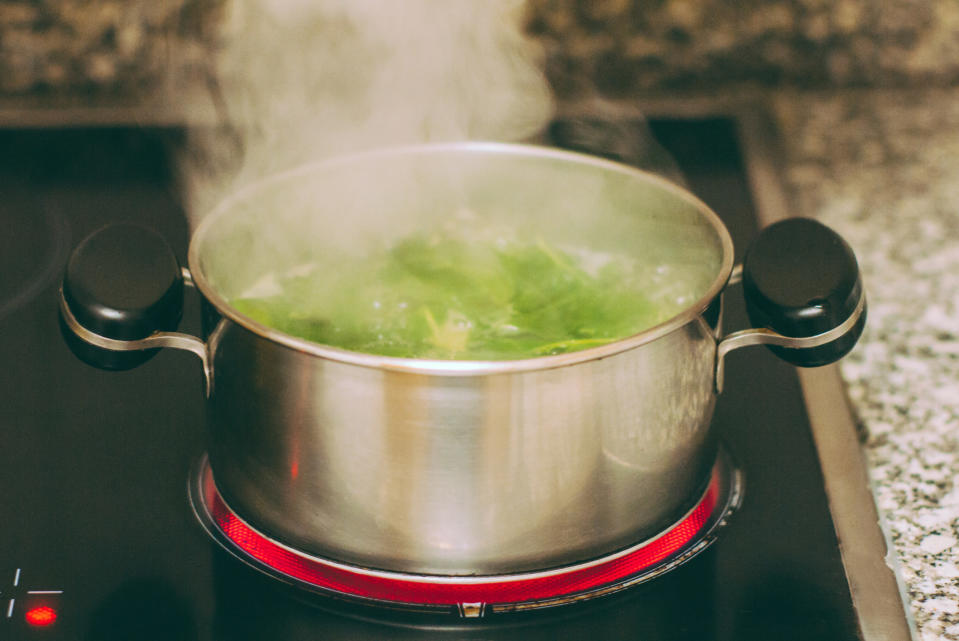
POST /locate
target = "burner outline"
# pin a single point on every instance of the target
(51, 262)
(721, 498)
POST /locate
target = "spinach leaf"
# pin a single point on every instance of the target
(442, 296)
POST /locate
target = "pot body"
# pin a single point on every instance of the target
(459, 467)
(473, 474)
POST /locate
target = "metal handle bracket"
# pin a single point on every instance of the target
(156, 340)
(764, 336)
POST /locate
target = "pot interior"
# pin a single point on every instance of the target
(341, 210)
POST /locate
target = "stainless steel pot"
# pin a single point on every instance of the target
(449, 467)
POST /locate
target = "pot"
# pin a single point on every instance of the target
(460, 467)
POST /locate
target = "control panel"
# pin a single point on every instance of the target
(28, 606)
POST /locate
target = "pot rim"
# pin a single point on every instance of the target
(462, 367)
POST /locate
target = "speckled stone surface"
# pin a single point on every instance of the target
(102, 46)
(883, 169)
(611, 47)
(614, 47)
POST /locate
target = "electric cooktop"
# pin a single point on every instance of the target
(98, 540)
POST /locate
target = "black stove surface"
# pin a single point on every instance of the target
(95, 526)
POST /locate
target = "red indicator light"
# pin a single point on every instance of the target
(41, 616)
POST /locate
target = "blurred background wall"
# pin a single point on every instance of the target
(59, 48)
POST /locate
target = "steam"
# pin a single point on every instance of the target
(302, 80)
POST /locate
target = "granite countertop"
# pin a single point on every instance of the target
(882, 168)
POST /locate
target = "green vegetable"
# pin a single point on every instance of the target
(440, 296)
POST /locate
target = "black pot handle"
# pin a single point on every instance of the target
(122, 297)
(804, 294)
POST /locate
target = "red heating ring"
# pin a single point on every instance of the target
(433, 590)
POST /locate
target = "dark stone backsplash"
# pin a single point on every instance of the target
(625, 46)
(101, 46)
(613, 47)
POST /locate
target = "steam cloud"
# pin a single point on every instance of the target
(302, 80)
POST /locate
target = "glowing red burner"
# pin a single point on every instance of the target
(443, 591)
(549, 587)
